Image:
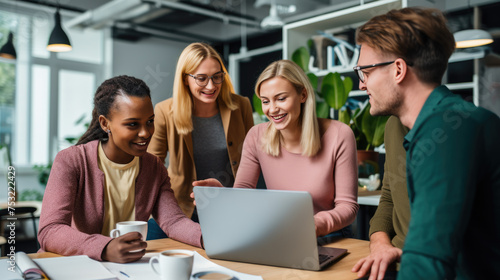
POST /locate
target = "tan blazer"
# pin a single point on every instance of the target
(181, 168)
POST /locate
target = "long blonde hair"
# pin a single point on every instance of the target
(189, 60)
(310, 141)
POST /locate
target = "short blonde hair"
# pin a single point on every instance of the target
(310, 141)
(189, 60)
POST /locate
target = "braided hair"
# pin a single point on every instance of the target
(104, 100)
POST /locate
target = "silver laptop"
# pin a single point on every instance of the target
(261, 226)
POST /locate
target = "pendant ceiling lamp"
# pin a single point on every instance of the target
(58, 41)
(8, 51)
(472, 38)
(277, 7)
(272, 20)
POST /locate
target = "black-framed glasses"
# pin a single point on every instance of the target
(361, 75)
(202, 79)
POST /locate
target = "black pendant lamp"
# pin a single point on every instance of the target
(8, 51)
(58, 41)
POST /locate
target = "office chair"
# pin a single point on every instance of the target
(20, 214)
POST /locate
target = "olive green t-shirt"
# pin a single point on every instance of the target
(393, 212)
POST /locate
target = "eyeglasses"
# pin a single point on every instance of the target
(361, 75)
(202, 79)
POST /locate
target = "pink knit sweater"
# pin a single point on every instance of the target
(73, 204)
(330, 176)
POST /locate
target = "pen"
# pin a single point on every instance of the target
(124, 274)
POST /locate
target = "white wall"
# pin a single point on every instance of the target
(152, 60)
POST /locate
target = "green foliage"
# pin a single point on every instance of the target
(301, 57)
(43, 172)
(73, 139)
(7, 70)
(257, 105)
(313, 79)
(333, 91)
(368, 129)
(345, 116)
(30, 195)
(322, 110)
(373, 128)
(7, 83)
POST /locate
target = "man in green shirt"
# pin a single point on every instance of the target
(389, 225)
(452, 154)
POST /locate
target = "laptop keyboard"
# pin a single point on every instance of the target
(323, 258)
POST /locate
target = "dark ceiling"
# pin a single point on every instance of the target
(230, 21)
(218, 21)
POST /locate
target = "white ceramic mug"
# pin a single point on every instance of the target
(130, 226)
(173, 264)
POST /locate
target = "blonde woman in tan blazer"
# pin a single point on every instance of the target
(202, 127)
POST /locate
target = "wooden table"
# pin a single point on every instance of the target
(357, 249)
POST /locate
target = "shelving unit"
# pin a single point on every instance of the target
(296, 34)
(474, 83)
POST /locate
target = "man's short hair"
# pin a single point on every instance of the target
(417, 35)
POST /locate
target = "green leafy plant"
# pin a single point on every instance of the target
(301, 57)
(30, 195)
(334, 89)
(80, 121)
(257, 105)
(43, 172)
(368, 129)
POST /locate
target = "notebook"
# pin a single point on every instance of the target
(268, 227)
(21, 266)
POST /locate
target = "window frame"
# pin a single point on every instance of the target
(21, 141)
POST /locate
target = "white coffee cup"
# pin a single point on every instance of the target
(173, 264)
(130, 226)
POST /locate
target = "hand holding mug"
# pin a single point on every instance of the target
(126, 248)
(130, 226)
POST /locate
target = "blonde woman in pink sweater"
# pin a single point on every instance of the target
(295, 150)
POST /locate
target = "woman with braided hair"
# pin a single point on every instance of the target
(109, 177)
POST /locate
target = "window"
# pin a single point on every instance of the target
(7, 98)
(76, 93)
(7, 83)
(43, 95)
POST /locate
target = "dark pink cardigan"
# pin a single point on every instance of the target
(73, 204)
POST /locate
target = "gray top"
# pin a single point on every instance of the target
(210, 150)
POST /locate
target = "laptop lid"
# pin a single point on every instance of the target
(260, 226)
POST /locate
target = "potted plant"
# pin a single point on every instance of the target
(369, 133)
